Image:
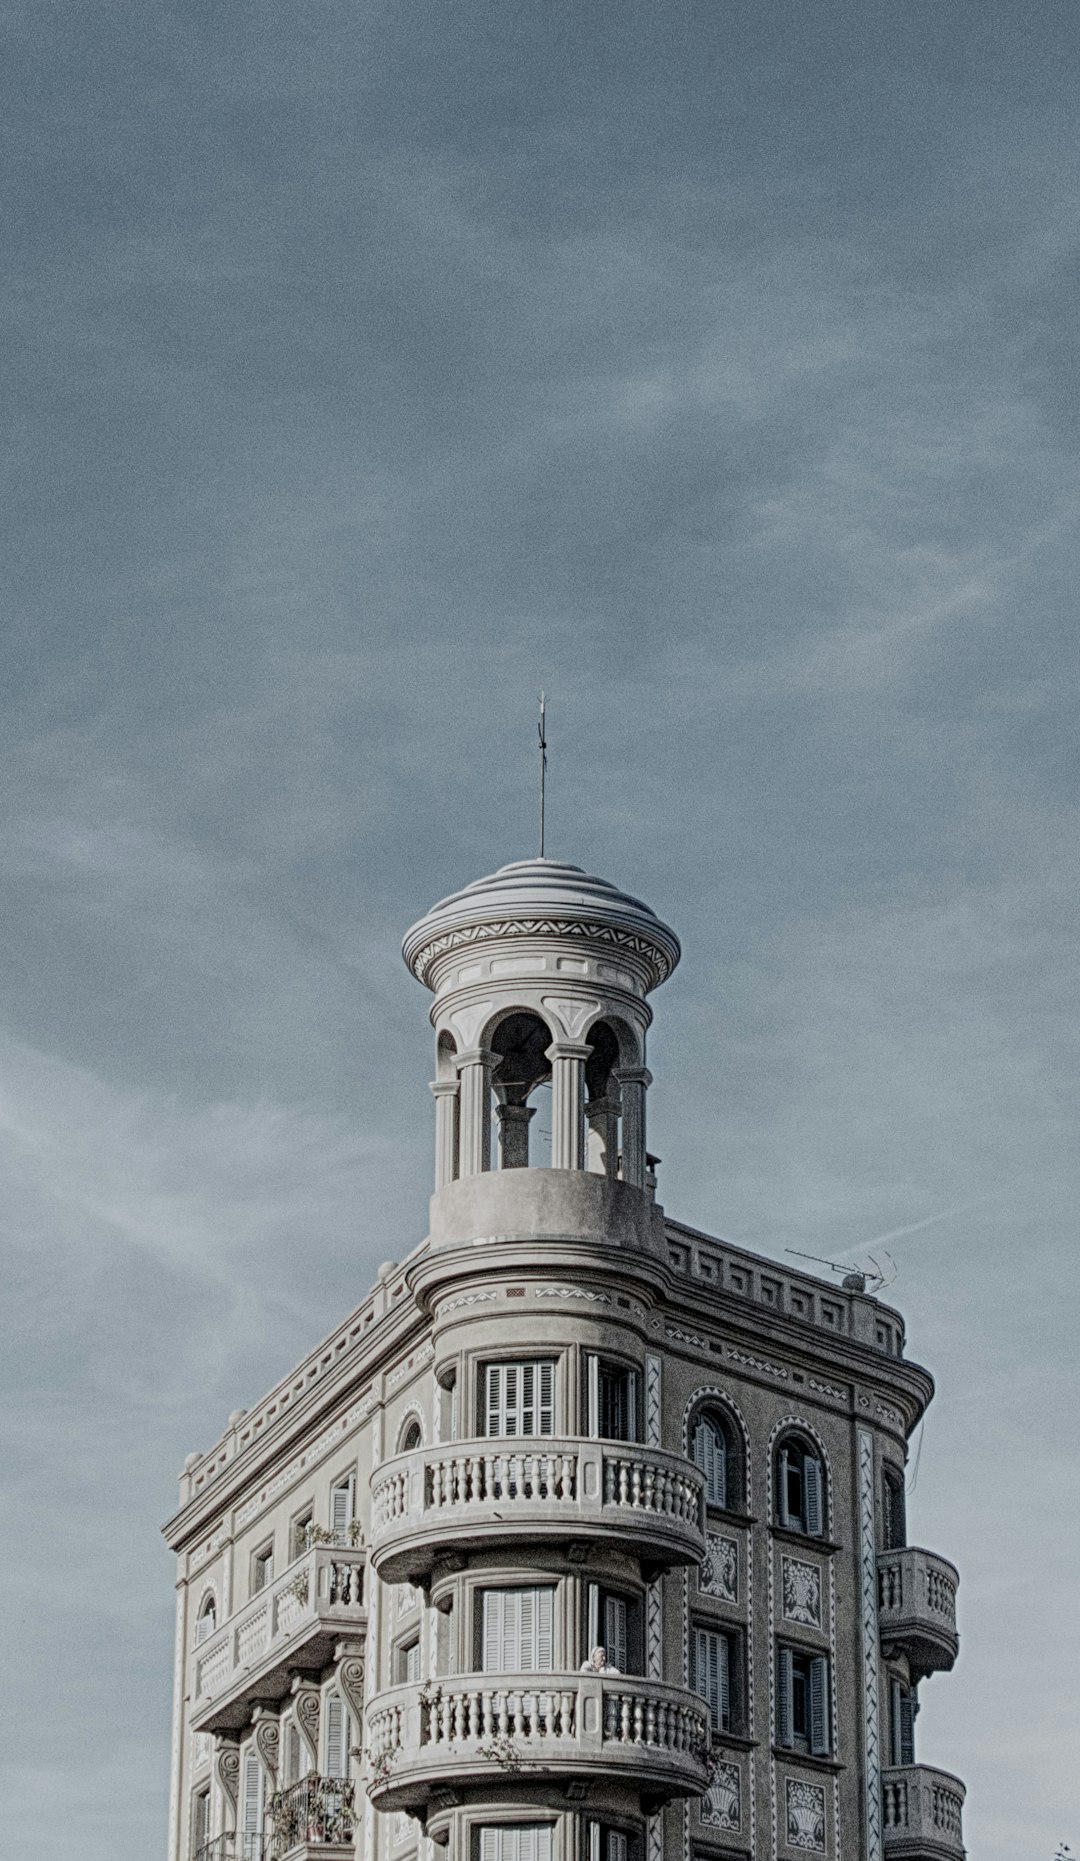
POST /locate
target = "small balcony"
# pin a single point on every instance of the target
(469, 1494)
(923, 1814)
(313, 1817)
(487, 1730)
(917, 1608)
(289, 1628)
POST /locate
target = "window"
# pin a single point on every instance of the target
(903, 1705)
(522, 1841)
(518, 1398)
(252, 1808)
(613, 1621)
(517, 1631)
(413, 1437)
(407, 1662)
(300, 1535)
(713, 1449)
(802, 1702)
(800, 1488)
(337, 1736)
(200, 1821)
(342, 1507)
(894, 1509)
(713, 1674)
(603, 1843)
(611, 1401)
(207, 1620)
(262, 1568)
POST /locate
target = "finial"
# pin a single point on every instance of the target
(543, 768)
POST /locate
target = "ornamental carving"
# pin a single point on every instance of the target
(805, 1817)
(267, 1743)
(583, 928)
(351, 1680)
(719, 1573)
(721, 1806)
(307, 1718)
(228, 1775)
(801, 1588)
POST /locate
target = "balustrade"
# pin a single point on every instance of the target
(317, 1811)
(922, 1813)
(917, 1607)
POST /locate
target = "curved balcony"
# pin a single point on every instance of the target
(290, 1627)
(469, 1494)
(923, 1814)
(489, 1729)
(917, 1608)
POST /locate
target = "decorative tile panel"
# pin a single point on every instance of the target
(719, 1572)
(801, 1592)
(805, 1816)
(721, 1806)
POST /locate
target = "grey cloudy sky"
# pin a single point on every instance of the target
(368, 365)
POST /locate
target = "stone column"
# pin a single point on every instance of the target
(633, 1082)
(474, 1117)
(446, 1104)
(568, 1059)
(603, 1145)
(514, 1135)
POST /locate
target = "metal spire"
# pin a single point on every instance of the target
(543, 769)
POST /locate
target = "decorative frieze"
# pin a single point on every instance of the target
(721, 1806)
(329, 1436)
(573, 1292)
(805, 1816)
(763, 1365)
(800, 1587)
(719, 1573)
(467, 1298)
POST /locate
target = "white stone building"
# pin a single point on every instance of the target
(564, 1423)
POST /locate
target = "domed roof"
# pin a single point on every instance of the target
(542, 897)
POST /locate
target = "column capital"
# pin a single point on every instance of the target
(633, 1075)
(445, 1088)
(476, 1056)
(567, 1050)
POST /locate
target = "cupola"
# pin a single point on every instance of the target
(541, 975)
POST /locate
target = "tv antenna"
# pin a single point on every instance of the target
(856, 1279)
(543, 766)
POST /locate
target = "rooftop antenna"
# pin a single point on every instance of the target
(856, 1279)
(543, 767)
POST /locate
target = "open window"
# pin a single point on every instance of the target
(342, 1508)
(200, 1823)
(613, 1621)
(903, 1706)
(611, 1400)
(262, 1567)
(605, 1843)
(252, 1807)
(412, 1436)
(206, 1622)
(714, 1447)
(802, 1702)
(716, 1673)
(800, 1487)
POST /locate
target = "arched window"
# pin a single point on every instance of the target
(412, 1436)
(207, 1618)
(714, 1448)
(800, 1486)
(521, 1071)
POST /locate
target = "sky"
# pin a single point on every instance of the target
(367, 367)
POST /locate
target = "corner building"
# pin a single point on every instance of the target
(565, 1423)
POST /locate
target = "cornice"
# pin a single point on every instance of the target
(657, 958)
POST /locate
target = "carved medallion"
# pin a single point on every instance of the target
(719, 1573)
(801, 1585)
(721, 1806)
(805, 1817)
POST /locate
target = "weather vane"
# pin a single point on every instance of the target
(543, 767)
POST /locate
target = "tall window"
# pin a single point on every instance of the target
(300, 1534)
(603, 1843)
(200, 1822)
(342, 1507)
(611, 1400)
(894, 1509)
(252, 1808)
(518, 1398)
(711, 1673)
(407, 1662)
(713, 1449)
(207, 1621)
(262, 1568)
(800, 1488)
(413, 1437)
(802, 1702)
(613, 1622)
(903, 1706)
(517, 1631)
(522, 1841)
(337, 1736)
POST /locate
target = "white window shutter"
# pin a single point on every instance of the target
(592, 1419)
(341, 1506)
(819, 1706)
(812, 1496)
(489, 1845)
(201, 1820)
(618, 1848)
(546, 1400)
(336, 1752)
(545, 1631)
(252, 1797)
(491, 1655)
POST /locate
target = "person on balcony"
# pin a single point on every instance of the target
(598, 1663)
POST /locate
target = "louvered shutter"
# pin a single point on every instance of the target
(546, 1399)
(709, 1451)
(785, 1728)
(615, 1633)
(545, 1631)
(723, 1683)
(907, 1727)
(341, 1508)
(412, 1663)
(518, 1631)
(335, 1736)
(813, 1486)
(491, 1652)
(252, 1824)
(493, 1376)
(489, 1845)
(592, 1409)
(894, 1722)
(783, 1463)
(617, 1846)
(200, 1821)
(819, 1706)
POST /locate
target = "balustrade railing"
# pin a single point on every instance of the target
(917, 1605)
(923, 1803)
(317, 1811)
(327, 1582)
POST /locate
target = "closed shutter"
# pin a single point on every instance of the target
(710, 1454)
(200, 1821)
(615, 1633)
(518, 1631)
(813, 1485)
(618, 1848)
(905, 1725)
(337, 1755)
(253, 1806)
(412, 1663)
(711, 1675)
(341, 1507)
(782, 1468)
(819, 1706)
(526, 1842)
(519, 1398)
(785, 1726)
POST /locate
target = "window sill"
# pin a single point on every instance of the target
(726, 1516)
(792, 1755)
(788, 1535)
(733, 1741)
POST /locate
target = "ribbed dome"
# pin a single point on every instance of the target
(542, 897)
